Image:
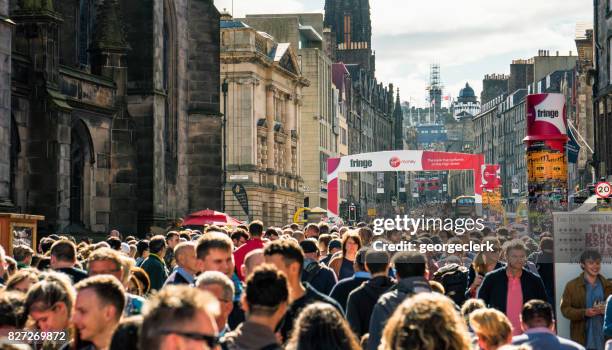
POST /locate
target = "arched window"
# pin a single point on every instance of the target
(84, 30)
(170, 86)
(81, 158)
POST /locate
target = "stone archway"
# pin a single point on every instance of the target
(81, 172)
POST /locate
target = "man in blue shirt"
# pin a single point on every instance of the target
(539, 327)
(186, 264)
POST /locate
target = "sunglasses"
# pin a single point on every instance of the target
(210, 340)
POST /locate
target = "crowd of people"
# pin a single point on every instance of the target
(312, 287)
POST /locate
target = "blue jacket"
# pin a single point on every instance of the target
(343, 288)
(545, 340)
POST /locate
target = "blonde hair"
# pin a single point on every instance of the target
(491, 326)
(426, 321)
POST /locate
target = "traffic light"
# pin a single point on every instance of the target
(352, 213)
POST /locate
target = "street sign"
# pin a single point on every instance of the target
(239, 177)
(603, 190)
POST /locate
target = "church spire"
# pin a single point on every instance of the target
(351, 26)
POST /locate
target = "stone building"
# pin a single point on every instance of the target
(493, 85)
(370, 117)
(342, 94)
(583, 103)
(602, 89)
(113, 115)
(264, 110)
(319, 128)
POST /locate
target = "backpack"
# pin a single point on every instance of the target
(454, 279)
(311, 271)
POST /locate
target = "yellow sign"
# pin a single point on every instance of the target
(296, 216)
(543, 165)
(372, 212)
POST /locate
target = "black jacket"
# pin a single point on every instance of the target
(389, 301)
(544, 263)
(472, 277)
(361, 302)
(75, 274)
(344, 287)
(320, 277)
(311, 296)
(494, 288)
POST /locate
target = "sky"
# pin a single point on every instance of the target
(467, 38)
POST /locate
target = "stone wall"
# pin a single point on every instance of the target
(273, 207)
(133, 176)
(5, 105)
(204, 140)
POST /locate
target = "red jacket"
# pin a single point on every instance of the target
(243, 250)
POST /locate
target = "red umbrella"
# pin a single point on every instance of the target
(209, 217)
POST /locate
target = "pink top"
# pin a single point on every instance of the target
(243, 250)
(514, 303)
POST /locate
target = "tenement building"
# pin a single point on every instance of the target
(264, 112)
(602, 90)
(110, 115)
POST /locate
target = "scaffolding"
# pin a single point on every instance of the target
(435, 92)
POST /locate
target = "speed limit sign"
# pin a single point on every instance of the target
(603, 190)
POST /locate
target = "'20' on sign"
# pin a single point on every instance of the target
(603, 189)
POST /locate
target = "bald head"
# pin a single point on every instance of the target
(185, 255)
(253, 259)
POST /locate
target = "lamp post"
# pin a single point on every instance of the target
(224, 88)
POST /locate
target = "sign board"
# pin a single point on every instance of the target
(603, 190)
(404, 160)
(380, 183)
(515, 184)
(241, 195)
(491, 176)
(239, 177)
(573, 233)
(546, 118)
(401, 182)
(18, 229)
(572, 147)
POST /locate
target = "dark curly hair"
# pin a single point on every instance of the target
(321, 326)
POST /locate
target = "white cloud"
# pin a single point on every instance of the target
(468, 38)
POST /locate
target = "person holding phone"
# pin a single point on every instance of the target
(483, 263)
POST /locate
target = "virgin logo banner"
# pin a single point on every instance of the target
(491, 176)
(406, 160)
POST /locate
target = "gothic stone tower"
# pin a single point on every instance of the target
(349, 21)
